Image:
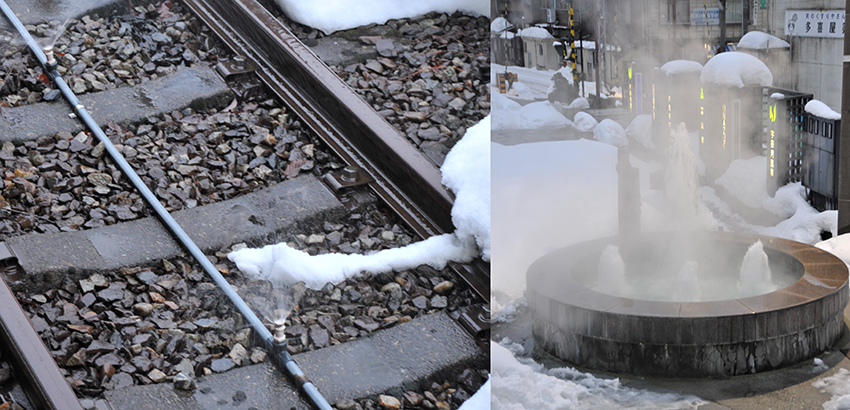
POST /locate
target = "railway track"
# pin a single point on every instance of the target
(354, 151)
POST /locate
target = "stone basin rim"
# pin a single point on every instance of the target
(832, 273)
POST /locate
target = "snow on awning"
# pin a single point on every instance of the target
(756, 40)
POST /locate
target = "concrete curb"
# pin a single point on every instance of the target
(391, 360)
(48, 259)
(197, 87)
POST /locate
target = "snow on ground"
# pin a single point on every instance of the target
(480, 400)
(510, 115)
(758, 40)
(335, 15)
(465, 171)
(736, 69)
(584, 122)
(839, 386)
(536, 81)
(818, 108)
(580, 103)
(536, 84)
(549, 195)
(609, 132)
(681, 66)
(521, 383)
(746, 180)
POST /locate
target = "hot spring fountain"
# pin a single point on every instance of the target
(686, 303)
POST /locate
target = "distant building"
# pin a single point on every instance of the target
(656, 31)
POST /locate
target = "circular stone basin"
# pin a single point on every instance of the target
(713, 338)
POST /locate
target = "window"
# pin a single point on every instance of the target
(540, 49)
(678, 11)
(553, 4)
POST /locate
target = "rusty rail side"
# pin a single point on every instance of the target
(44, 384)
(404, 178)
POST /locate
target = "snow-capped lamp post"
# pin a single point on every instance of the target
(844, 142)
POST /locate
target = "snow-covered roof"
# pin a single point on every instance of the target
(819, 109)
(508, 35)
(534, 32)
(681, 66)
(500, 24)
(591, 45)
(758, 40)
(736, 69)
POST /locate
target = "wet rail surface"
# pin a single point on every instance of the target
(401, 176)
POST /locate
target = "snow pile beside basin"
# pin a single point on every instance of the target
(736, 70)
(609, 132)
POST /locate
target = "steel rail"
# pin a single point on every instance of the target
(279, 354)
(404, 178)
(45, 386)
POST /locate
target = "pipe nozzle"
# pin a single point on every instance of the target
(48, 54)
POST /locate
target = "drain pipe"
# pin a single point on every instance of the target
(277, 346)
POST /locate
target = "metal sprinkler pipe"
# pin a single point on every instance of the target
(280, 357)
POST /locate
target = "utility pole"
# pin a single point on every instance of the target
(722, 26)
(844, 141)
(600, 48)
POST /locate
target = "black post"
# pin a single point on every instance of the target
(722, 27)
(844, 142)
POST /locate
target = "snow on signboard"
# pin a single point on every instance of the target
(814, 23)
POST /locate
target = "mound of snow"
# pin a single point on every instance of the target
(805, 223)
(466, 171)
(736, 69)
(758, 40)
(542, 115)
(584, 122)
(640, 130)
(819, 109)
(681, 66)
(510, 115)
(838, 246)
(746, 180)
(579, 103)
(521, 90)
(609, 132)
(499, 24)
(334, 15)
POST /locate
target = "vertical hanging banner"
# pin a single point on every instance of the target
(755, 12)
(815, 23)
